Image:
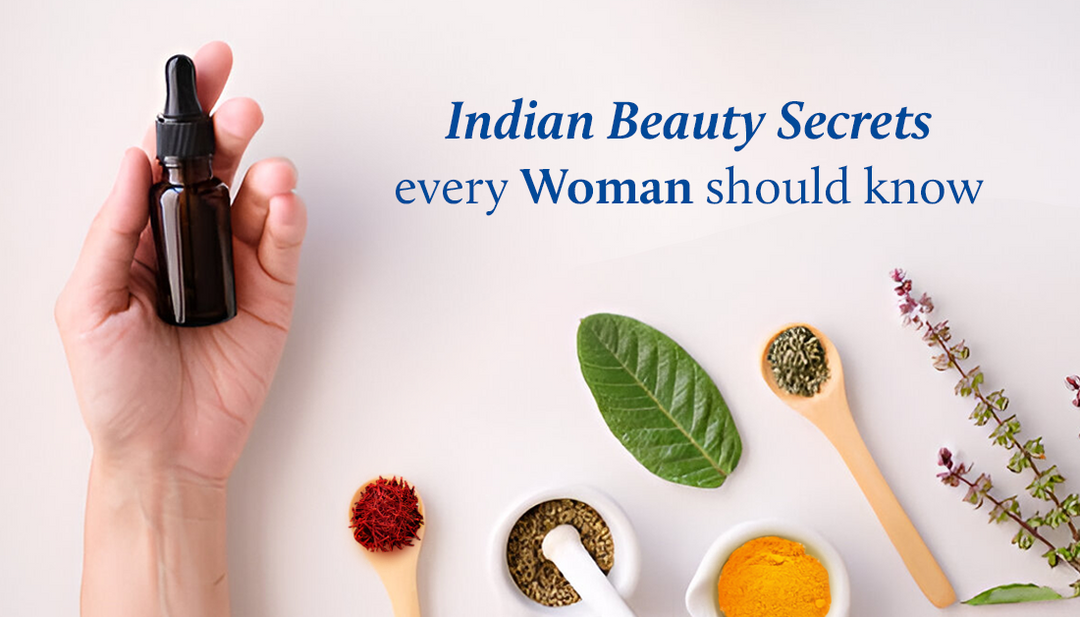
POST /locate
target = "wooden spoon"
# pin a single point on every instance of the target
(829, 411)
(397, 568)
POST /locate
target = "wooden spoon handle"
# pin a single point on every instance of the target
(403, 594)
(397, 570)
(845, 437)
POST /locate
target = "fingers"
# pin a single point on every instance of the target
(213, 63)
(279, 248)
(264, 180)
(235, 123)
(149, 146)
(99, 284)
(268, 216)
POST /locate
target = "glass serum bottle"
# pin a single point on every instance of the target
(189, 211)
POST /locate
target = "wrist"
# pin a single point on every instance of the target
(162, 498)
(147, 470)
(158, 532)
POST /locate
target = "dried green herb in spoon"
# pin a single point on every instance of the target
(798, 362)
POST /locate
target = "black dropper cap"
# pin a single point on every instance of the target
(183, 129)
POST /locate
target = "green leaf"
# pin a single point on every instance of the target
(658, 401)
(1035, 447)
(1071, 551)
(1018, 462)
(982, 414)
(1055, 518)
(1071, 505)
(1005, 433)
(1014, 505)
(973, 497)
(1042, 487)
(963, 387)
(999, 514)
(1023, 539)
(1011, 594)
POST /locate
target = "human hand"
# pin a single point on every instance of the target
(169, 409)
(182, 400)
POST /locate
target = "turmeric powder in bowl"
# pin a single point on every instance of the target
(773, 577)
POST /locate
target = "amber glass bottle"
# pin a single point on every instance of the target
(189, 211)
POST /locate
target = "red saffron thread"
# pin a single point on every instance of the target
(387, 515)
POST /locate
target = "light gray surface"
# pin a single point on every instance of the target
(438, 343)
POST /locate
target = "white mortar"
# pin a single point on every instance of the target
(627, 556)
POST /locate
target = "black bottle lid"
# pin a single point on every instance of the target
(184, 130)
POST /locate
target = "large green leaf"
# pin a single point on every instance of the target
(1017, 592)
(658, 401)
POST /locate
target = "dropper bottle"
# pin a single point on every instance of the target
(189, 211)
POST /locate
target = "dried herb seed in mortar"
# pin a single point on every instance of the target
(386, 516)
(773, 577)
(798, 361)
(536, 576)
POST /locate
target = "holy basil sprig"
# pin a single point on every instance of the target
(1043, 528)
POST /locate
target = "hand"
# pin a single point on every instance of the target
(183, 399)
(169, 409)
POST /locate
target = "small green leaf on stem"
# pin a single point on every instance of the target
(1042, 487)
(1055, 518)
(1018, 462)
(976, 377)
(1035, 448)
(1071, 505)
(982, 414)
(1000, 513)
(1005, 433)
(963, 387)
(1023, 540)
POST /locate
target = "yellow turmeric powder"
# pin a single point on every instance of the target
(773, 577)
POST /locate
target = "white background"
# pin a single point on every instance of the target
(438, 343)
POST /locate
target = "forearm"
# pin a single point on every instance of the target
(154, 544)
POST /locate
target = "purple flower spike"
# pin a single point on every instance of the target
(1072, 382)
(944, 458)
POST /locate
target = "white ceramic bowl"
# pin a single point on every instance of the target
(701, 596)
(624, 572)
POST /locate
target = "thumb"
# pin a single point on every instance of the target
(99, 284)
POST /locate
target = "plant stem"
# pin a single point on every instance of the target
(955, 363)
(1074, 564)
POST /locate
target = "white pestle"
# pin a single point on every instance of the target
(562, 546)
